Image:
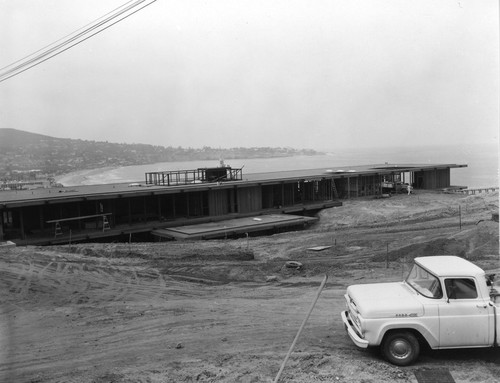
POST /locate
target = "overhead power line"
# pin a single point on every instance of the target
(75, 38)
(70, 35)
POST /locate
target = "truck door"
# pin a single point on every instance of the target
(464, 315)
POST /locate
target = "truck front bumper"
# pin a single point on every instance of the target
(357, 340)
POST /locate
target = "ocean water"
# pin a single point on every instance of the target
(482, 164)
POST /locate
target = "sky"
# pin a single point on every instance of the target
(243, 73)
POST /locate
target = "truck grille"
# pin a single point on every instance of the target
(354, 314)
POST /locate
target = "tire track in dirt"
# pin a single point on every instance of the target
(23, 280)
(76, 279)
(65, 283)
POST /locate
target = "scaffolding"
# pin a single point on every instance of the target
(58, 230)
(200, 175)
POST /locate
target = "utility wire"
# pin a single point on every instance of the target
(59, 46)
(66, 42)
(65, 37)
(96, 26)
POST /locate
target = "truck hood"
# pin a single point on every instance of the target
(384, 300)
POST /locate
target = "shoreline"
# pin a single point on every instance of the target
(481, 170)
(78, 177)
(116, 174)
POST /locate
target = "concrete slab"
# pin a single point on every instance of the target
(229, 227)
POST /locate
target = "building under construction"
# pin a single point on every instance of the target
(198, 204)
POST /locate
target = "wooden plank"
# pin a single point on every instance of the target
(77, 218)
(318, 248)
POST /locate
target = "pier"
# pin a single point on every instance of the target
(465, 190)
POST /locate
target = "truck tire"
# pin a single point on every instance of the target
(401, 348)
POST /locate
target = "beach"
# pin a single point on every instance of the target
(481, 160)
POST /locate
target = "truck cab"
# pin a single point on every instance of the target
(445, 302)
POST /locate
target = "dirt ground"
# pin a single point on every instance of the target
(228, 311)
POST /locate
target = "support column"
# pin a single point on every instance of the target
(113, 212)
(98, 220)
(129, 211)
(79, 213)
(40, 215)
(232, 204)
(21, 223)
(282, 194)
(1, 226)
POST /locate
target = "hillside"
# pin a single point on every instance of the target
(22, 151)
(227, 311)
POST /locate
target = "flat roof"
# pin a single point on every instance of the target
(348, 171)
(13, 198)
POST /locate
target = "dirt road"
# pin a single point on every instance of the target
(227, 311)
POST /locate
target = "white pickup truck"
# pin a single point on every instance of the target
(445, 302)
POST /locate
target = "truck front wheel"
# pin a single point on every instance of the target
(401, 348)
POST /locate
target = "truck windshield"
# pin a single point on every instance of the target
(424, 283)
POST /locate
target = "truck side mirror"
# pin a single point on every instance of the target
(490, 278)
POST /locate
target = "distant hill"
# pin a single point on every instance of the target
(22, 151)
(16, 138)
